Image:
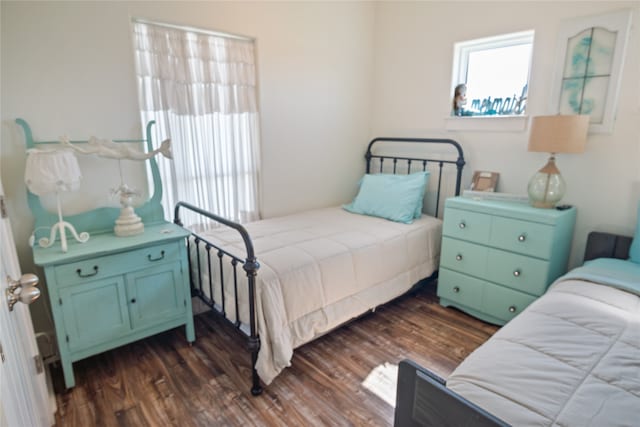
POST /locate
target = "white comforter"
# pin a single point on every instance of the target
(321, 268)
(572, 358)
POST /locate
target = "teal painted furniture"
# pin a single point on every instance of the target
(497, 257)
(112, 290)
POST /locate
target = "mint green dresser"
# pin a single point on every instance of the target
(497, 257)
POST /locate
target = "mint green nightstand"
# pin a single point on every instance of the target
(497, 257)
(112, 290)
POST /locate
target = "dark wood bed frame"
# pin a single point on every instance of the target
(249, 261)
(422, 397)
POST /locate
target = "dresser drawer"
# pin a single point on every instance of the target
(504, 303)
(111, 265)
(464, 257)
(528, 238)
(466, 225)
(518, 271)
(459, 288)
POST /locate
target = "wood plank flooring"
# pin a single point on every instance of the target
(162, 381)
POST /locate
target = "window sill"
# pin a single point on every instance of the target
(487, 123)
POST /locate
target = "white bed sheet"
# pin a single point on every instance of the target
(319, 269)
(572, 358)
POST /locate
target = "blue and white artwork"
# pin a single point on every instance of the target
(587, 72)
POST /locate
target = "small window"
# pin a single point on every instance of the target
(491, 75)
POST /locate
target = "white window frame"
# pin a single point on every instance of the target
(461, 52)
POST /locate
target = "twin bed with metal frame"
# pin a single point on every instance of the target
(285, 281)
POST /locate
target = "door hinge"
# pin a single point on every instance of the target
(37, 359)
(60, 301)
(3, 208)
(67, 338)
(1, 353)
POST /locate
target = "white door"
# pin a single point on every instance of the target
(24, 399)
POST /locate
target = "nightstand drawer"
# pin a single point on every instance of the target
(459, 288)
(466, 225)
(463, 257)
(528, 238)
(504, 303)
(111, 265)
(517, 271)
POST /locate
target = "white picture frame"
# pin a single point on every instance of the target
(589, 61)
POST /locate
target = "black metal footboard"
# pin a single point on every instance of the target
(249, 264)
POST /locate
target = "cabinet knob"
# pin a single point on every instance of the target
(456, 289)
(133, 300)
(462, 224)
(522, 238)
(512, 309)
(516, 273)
(459, 257)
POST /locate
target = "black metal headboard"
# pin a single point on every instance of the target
(422, 162)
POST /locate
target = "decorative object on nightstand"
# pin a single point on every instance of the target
(128, 223)
(499, 256)
(484, 181)
(554, 134)
(54, 171)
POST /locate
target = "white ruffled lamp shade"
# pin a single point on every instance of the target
(50, 171)
(54, 171)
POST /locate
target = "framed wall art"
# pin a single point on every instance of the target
(589, 61)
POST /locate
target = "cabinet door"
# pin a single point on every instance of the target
(94, 312)
(156, 294)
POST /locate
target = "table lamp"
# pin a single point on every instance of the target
(554, 134)
(54, 171)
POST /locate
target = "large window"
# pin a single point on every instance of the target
(491, 75)
(200, 88)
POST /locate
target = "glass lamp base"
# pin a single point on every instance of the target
(546, 187)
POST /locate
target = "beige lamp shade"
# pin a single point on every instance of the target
(559, 134)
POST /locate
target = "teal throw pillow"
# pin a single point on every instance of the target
(634, 250)
(393, 197)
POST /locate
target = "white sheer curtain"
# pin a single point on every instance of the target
(201, 91)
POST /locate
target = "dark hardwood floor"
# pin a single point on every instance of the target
(163, 381)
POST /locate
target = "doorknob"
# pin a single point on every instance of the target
(23, 290)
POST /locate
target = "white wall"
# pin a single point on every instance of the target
(67, 68)
(331, 75)
(414, 51)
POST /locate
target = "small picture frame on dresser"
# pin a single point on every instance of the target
(484, 181)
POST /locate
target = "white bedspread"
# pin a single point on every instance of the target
(572, 358)
(321, 268)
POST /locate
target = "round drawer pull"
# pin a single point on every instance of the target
(456, 289)
(459, 257)
(522, 238)
(462, 224)
(133, 301)
(512, 309)
(516, 273)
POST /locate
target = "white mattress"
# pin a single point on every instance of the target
(321, 268)
(572, 358)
